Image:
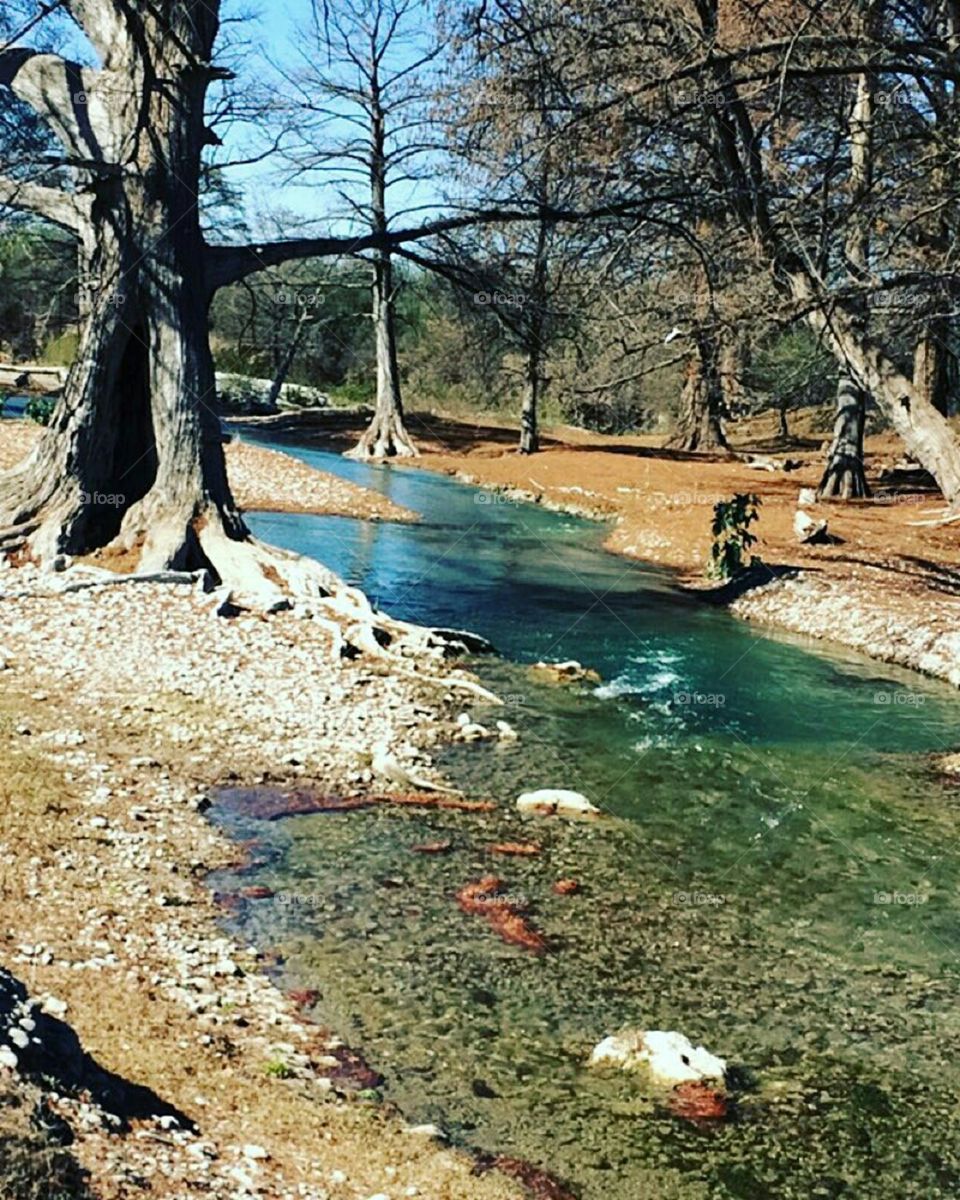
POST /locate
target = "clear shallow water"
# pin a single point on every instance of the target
(776, 877)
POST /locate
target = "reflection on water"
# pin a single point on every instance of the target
(775, 877)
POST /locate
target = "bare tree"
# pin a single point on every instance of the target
(137, 418)
(362, 108)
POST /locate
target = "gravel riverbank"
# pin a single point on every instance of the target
(119, 708)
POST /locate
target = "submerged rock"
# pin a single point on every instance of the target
(548, 802)
(566, 672)
(698, 1102)
(485, 898)
(669, 1056)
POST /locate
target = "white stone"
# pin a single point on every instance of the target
(669, 1056)
(254, 1152)
(433, 1131)
(549, 801)
(8, 1058)
(807, 528)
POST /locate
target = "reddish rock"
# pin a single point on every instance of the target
(540, 1184)
(303, 997)
(698, 1102)
(257, 892)
(351, 1072)
(566, 887)
(504, 916)
(524, 849)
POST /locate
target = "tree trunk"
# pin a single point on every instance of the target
(700, 419)
(134, 454)
(386, 435)
(925, 432)
(844, 477)
(934, 366)
(286, 359)
(529, 414)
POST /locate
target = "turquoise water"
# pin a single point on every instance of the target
(775, 876)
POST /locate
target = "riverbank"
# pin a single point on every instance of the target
(118, 710)
(888, 586)
(261, 478)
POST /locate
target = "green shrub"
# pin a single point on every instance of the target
(40, 409)
(732, 537)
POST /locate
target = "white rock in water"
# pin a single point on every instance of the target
(556, 801)
(670, 1057)
(8, 1058)
(506, 733)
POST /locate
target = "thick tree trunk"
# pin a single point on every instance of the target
(386, 436)
(134, 455)
(934, 366)
(925, 432)
(844, 477)
(700, 419)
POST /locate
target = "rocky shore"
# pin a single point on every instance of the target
(120, 708)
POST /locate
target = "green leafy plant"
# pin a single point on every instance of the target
(40, 409)
(278, 1069)
(732, 537)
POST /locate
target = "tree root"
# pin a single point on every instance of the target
(385, 437)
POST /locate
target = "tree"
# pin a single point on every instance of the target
(137, 417)
(768, 76)
(363, 121)
(511, 140)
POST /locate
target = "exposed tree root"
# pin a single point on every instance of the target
(385, 437)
